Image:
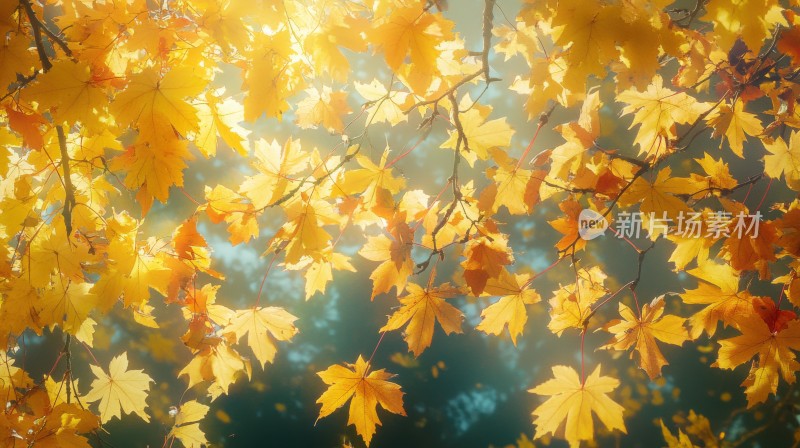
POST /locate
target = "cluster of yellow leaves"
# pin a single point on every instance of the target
(46, 415)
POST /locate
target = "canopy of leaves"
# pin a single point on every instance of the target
(455, 145)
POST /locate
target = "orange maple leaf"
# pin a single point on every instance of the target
(773, 344)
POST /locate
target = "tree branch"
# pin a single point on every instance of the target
(69, 191)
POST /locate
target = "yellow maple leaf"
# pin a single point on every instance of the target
(681, 441)
(223, 20)
(367, 390)
(395, 257)
(510, 309)
(233, 208)
(320, 272)
(384, 105)
(262, 326)
(516, 188)
(323, 107)
(153, 167)
(481, 135)
(371, 181)
(53, 251)
(304, 229)
(216, 362)
(718, 288)
(138, 268)
(574, 402)
(186, 427)
(420, 309)
(571, 305)
(658, 199)
(151, 100)
(413, 32)
(588, 29)
(323, 46)
(269, 79)
(783, 159)
(775, 349)
(119, 390)
(16, 56)
(734, 123)
(220, 118)
(643, 331)
(657, 110)
(71, 94)
(718, 177)
(277, 168)
(730, 24)
(67, 305)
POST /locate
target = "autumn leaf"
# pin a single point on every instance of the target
(414, 33)
(150, 100)
(734, 123)
(571, 305)
(186, 427)
(153, 168)
(220, 118)
(486, 258)
(320, 273)
(784, 160)
(752, 27)
(775, 348)
(718, 289)
(72, 94)
(572, 402)
(120, 390)
(395, 257)
(659, 196)
(510, 310)
(481, 135)
(420, 310)
(323, 107)
(68, 307)
(366, 389)
(263, 326)
(681, 441)
(268, 78)
(385, 105)
(644, 331)
(217, 362)
(277, 166)
(657, 111)
(568, 226)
